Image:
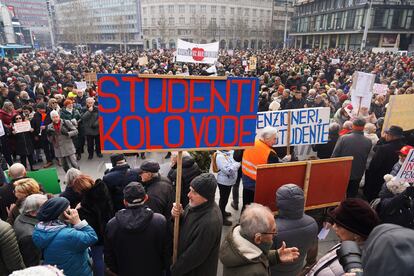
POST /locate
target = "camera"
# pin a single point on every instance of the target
(349, 256)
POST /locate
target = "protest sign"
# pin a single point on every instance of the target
(321, 187)
(197, 53)
(90, 77)
(362, 84)
(156, 113)
(22, 126)
(406, 172)
(252, 63)
(335, 61)
(230, 52)
(308, 126)
(1, 129)
(380, 89)
(142, 61)
(81, 85)
(400, 112)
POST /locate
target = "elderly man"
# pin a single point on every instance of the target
(247, 248)
(159, 189)
(16, 171)
(200, 231)
(262, 153)
(90, 126)
(137, 229)
(60, 133)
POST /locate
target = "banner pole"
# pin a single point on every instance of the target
(289, 128)
(307, 178)
(359, 106)
(177, 201)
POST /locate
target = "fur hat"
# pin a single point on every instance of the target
(395, 186)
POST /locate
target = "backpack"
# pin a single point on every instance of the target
(214, 167)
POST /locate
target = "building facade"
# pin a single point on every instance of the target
(283, 11)
(234, 23)
(98, 24)
(31, 15)
(341, 23)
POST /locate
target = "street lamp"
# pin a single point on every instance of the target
(286, 22)
(367, 23)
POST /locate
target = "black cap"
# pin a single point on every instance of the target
(116, 157)
(395, 131)
(149, 166)
(205, 184)
(134, 193)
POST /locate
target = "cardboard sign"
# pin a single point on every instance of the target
(406, 173)
(230, 52)
(380, 89)
(81, 85)
(362, 84)
(197, 53)
(142, 61)
(153, 112)
(308, 126)
(22, 127)
(323, 181)
(90, 77)
(400, 112)
(252, 63)
(335, 61)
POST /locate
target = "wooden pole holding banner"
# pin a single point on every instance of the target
(177, 201)
(289, 128)
(359, 106)
(307, 178)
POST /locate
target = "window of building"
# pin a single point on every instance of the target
(152, 10)
(192, 8)
(182, 20)
(161, 9)
(171, 21)
(203, 8)
(232, 11)
(232, 21)
(246, 12)
(223, 22)
(144, 10)
(261, 13)
(145, 21)
(213, 9)
(213, 21)
(170, 8)
(350, 19)
(203, 21)
(181, 9)
(239, 11)
(153, 21)
(338, 20)
(192, 21)
(254, 12)
(380, 18)
(223, 10)
(398, 19)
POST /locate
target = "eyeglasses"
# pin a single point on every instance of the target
(269, 233)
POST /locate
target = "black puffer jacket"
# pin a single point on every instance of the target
(10, 258)
(294, 227)
(96, 208)
(160, 196)
(190, 170)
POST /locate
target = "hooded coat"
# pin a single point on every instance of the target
(389, 251)
(293, 227)
(65, 247)
(141, 231)
(240, 257)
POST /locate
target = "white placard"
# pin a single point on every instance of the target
(380, 89)
(143, 61)
(406, 173)
(81, 85)
(362, 84)
(1, 129)
(22, 127)
(309, 126)
(197, 53)
(335, 61)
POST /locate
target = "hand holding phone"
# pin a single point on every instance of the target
(72, 216)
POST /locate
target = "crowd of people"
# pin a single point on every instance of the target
(121, 223)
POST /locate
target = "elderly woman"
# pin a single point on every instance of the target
(354, 219)
(7, 142)
(22, 189)
(73, 197)
(24, 142)
(90, 126)
(261, 153)
(24, 226)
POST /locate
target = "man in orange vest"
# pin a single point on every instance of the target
(261, 153)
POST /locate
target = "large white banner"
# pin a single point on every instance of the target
(197, 53)
(308, 126)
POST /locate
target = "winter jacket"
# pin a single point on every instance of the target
(116, 179)
(37, 123)
(385, 156)
(24, 143)
(328, 265)
(141, 231)
(73, 197)
(90, 121)
(293, 227)
(96, 208)
(65, 247)
(240, 257)
(324, 151)
(190, 170)
(67, 115)
(388, 251)
(10, 258)
(23, 227)
(200, 231)
(7, 198)
(354, 144)
(62, 144)
(374, 140)
(228, 168)
(160, 195)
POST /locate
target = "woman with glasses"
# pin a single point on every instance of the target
(24, 141)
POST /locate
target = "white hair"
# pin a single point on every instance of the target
(54, 113)
(32, 203)
(267, 132)
(71, 174)
(254, 219)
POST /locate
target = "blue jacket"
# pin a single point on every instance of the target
(65, 247)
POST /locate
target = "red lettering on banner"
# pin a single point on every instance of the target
(194, 99)
(125, 131)
(181, 137)
(214, 94)
(103, 94)
(132, 81)
(223, 129)
(148, 135)
(107, 136)
(171, 84)
(198, 133)
(216, 131)
(163, 106)
(239, 91)
(242, 132)
(253, 94)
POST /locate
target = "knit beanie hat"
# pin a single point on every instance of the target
(205, 184)
(52, 209)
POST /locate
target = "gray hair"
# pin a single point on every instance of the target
(334, 128)
(254, 219)
(54, 113)
(71, 174)
(267, 132)
(32, 203)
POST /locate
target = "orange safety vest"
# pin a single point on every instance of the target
(254, 157)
